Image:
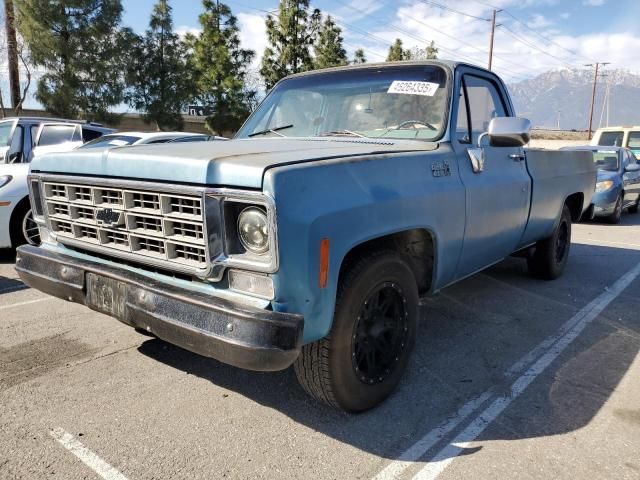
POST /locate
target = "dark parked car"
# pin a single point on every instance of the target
(618, 184)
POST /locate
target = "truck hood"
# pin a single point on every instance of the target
(240, 163)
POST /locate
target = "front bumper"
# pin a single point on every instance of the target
(605, 202)
(239, 335)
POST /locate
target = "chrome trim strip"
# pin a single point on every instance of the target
(267, 263)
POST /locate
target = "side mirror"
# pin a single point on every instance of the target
(632, 167)
(509, 132)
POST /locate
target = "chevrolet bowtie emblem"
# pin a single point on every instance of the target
(107, 217)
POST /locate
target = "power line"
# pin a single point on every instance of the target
(538, 34)
(534, 46)
(447, 8)
(455, 53)
(544, 37)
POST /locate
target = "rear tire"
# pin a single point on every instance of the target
(550, 255)
(361, 361)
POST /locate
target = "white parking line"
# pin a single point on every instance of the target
(597, 243)
(394, 469)
(539, 358)
(89, 458)
(20, 304)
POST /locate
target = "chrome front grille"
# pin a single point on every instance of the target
(156, 226)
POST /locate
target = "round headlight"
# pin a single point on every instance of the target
(253, 229)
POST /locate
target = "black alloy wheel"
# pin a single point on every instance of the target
(380, 333)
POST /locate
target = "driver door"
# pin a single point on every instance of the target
(498, 197)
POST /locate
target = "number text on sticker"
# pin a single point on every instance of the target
(427, 89)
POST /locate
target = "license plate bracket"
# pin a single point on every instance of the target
(106, 295)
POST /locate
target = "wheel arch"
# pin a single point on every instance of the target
(575, 203)
(417, 246)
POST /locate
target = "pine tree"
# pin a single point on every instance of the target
(359, 57)
(396, 53)
(290, 37)
(220, 67)
(329, 51)
(160, 79)
(83, 51)
(428, 53)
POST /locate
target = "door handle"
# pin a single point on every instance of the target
(517, 157)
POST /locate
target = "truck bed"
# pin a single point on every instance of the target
(555, 176)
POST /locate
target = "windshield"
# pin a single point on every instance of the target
(408, 102)
(606, 160)
(611, 139)
(5, 131)
(111, 141)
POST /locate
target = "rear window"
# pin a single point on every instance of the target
(111, 141)
(611, 139)
(56, 134)
(605, 160)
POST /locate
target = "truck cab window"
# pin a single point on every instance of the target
(463, 129)
(485, 103)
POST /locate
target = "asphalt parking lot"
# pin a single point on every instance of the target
(511, 378)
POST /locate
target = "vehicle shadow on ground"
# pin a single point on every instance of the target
(8, 285)
(469, 336)
(7, 256)
(627, 220)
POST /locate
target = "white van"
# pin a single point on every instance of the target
(625, 136)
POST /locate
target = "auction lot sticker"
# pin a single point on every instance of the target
(426, 89)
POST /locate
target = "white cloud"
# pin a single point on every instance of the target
(467, 39)
(253, 34)
(593, 3)
(539, 21)
(182, 30)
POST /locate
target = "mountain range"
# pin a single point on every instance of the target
(561, 98)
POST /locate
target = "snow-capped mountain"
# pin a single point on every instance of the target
(564, 96)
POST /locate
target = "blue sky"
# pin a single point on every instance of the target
(533, 36)
(537, 35)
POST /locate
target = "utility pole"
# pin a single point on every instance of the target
(12, 52)
(493, 32)
(593, 93)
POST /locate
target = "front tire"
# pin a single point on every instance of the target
(551, 254)
(634, 208)
(616, 216)
(361, 361)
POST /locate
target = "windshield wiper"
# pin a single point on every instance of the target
(271, 130)
(344, 132)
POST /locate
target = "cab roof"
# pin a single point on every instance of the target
(448, 64)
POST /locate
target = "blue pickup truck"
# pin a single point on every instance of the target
(309, 239)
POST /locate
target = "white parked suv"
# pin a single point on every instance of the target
(22, 138)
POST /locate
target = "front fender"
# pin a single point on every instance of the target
(350, 202)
